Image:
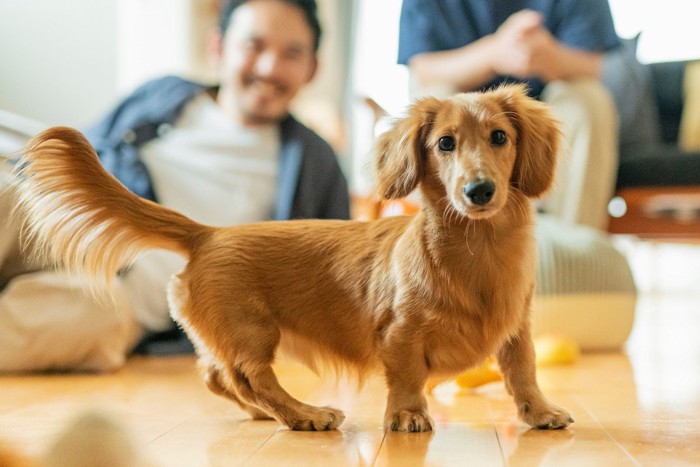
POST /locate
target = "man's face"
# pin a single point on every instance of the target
(266, 56)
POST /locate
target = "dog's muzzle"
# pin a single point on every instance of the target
(479, 192)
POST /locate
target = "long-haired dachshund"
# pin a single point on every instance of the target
(422, 296)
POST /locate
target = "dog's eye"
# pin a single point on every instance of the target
(446, 143)
(498, 137)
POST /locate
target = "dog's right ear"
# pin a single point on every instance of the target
(401, 151)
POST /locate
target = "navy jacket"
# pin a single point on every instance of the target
(310, 182)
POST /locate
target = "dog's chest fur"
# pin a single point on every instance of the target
(469, 313)
(456, 344)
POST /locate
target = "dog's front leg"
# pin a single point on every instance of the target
(406, 375)
(517, 361)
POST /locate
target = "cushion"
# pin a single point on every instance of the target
(585, 288)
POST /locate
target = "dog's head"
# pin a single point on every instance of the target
(473, 149)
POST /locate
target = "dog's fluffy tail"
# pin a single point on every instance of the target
(81, 217)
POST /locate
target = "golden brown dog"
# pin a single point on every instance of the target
(429, 295)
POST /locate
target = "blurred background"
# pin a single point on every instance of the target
(68, 61)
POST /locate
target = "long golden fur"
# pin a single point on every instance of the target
(429, 295)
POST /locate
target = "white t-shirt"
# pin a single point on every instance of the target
(212, 169)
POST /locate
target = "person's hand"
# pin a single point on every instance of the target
(541, 55)
(523, 47)
(520, 24)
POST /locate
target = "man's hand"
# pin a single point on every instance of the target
(523, 47)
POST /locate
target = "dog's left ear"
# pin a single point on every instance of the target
(401, 151)
(538, 141)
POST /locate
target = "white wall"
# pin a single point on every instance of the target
(375, 74)
(669, 29)
(58, 59)
(153, 38)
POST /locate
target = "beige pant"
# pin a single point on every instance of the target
(689, 133)
(587, 170)
(47, 320)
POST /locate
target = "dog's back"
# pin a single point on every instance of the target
(320, 279)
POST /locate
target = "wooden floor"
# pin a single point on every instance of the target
(637, 407)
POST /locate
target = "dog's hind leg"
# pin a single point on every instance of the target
(213, 379)
(245, 355)
(260, 386)
(240, 335)
(216, 378)
(251, 383)
(256, 384)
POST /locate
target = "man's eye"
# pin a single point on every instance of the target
(498, 137)
(446, 143)
(294, 54)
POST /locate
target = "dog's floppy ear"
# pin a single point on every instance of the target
(538, 140)
(401, 151)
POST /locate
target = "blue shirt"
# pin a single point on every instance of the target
(436, 25)
(310, 185)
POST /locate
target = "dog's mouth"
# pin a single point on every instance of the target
(466, 209)
(480, 212)
(476, 199)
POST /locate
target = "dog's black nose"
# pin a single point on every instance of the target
(480, 192)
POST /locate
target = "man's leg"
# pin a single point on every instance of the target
(587, 172)
(47, 319)
(12, 261)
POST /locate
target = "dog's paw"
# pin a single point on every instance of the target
(545, 416)
(409, 421)
(319, 419)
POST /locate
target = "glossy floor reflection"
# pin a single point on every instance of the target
(636, 407)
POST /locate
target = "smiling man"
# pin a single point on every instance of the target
(266, 55)
(223, 155)
(173, 129)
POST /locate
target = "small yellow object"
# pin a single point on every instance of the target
(551, 349)
(485, 373)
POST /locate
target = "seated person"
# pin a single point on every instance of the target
(557, 48)
(223, 155)
(561, 51)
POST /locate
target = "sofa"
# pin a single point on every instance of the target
(658, 183)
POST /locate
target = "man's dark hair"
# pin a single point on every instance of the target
(308, 7)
